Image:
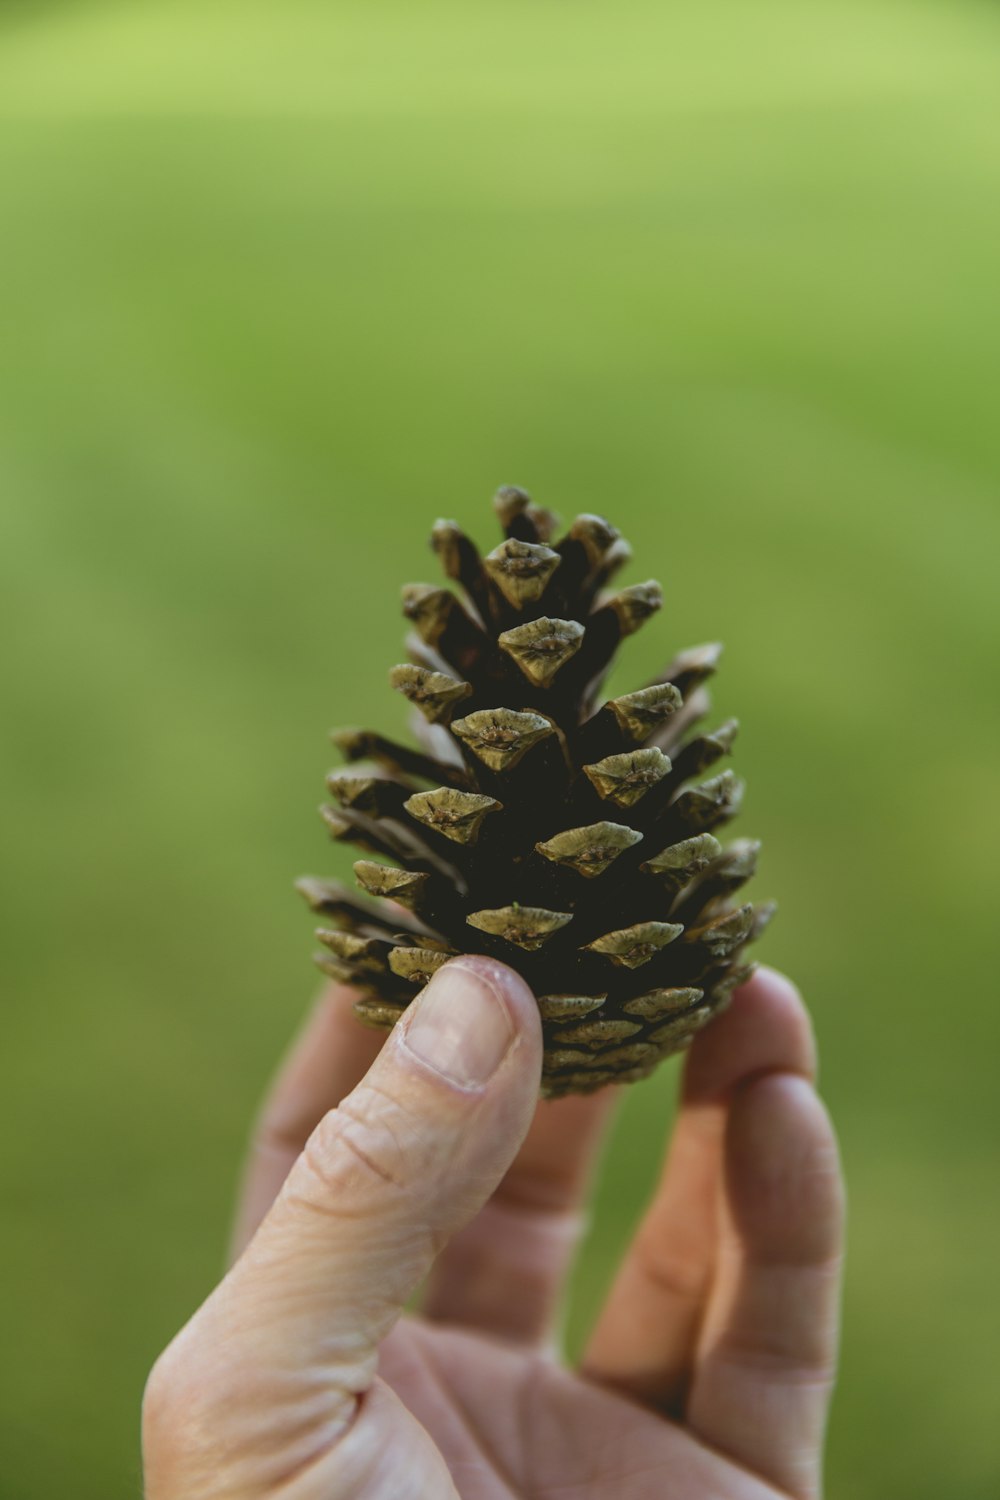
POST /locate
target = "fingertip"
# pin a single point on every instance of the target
(778, 986)
(783, 1011)
(764, 976)
(766, 1029)
(475, 1026)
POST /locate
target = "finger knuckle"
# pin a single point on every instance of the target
(674, 1277)
(774, 1359)
(360, 1146)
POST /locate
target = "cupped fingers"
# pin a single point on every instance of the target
(645, 1339)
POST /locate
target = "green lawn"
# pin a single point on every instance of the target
(279, 285)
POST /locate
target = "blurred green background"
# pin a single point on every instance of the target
(279, 285)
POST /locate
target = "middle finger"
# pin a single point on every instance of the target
(504, 1274)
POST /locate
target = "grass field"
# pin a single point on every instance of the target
(279, 285)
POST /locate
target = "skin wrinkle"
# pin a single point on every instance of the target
(345, 1361)
(802, 1479)
(347, 1139)
(599, 1488)
(533, 1378)
(470, 1417)
(541, 1191)
(330, 1134)
(491, 1459)
(746, 1081)
(549, 1378)
(353, 1109)
(551, 1238)
(525, 1408)
(766, 1364)
(813, 1282)
(295, 1198)
(568, 1222)
(324, 1449)
(202, 1421)
(758, 1490)
(682, 1279)
(327, 1449)
(737, 1249)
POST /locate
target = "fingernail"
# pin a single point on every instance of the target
(461, 1026)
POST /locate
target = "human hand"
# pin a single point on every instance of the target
(708, 1374)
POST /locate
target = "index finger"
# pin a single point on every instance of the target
(330, 1055)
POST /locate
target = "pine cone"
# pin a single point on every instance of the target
(568, 837)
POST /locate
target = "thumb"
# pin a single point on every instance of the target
(388, 1176)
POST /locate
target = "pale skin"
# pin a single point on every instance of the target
(373, 1174)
